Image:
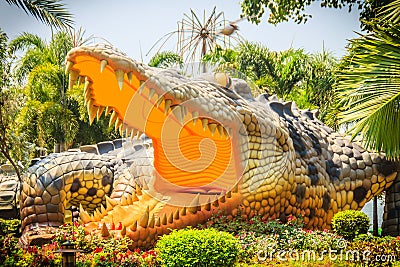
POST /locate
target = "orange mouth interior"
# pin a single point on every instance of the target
(190, 151)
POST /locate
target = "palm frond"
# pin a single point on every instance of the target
(25, 41)
(369, 88)
(50, 12)
(391, 12)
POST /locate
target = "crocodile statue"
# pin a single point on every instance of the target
(214, 148)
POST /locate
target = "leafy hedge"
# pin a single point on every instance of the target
(193, 247)
(350, 223)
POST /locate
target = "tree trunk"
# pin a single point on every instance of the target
(375, 216)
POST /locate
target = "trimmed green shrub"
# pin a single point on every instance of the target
(350, 223)
(193, 247)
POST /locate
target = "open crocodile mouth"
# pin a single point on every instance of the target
(193, 139)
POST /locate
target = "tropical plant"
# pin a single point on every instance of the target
(13, 146)
(166, 59)
(193, 247)
(50, 12)
(274, 72)
(350, 223)
(368, 85)
(51, 114)
(318, 86)
(281, 11)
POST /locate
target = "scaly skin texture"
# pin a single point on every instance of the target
(214, 148)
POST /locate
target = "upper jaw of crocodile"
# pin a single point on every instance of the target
(194, 124)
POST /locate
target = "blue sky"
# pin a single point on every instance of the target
(136, 25)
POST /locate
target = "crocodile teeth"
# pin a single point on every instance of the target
(68, 66)
(177, 110)
(183, 211)
(103, 210)
(129, 74)
(97, 215)
(222, 198)
(73, 76)
(118, 124)
(158, 222)
(107, 111)
(100, 111)
(195, 116)
(204, 122)
(104, 231)
(151, 222)
(195, 204)
(138, 190)
(184, 111)
(207, 206)
(220, 130)
(113, 118)
(79, 80)
(124, 202)
(159, 101)
(176, 214)
(226, 134)
(103, 64)
(215, 202)
(228, 194)
(133, 132)
(134, 197)
(85, 218)
(134, 226)
(212, 127)
(119, 74)
(144, 185)
(92, 111)
(144, 220)
(141, 87)
(110, 203)
(164, 219)
(151, 93)
(167, 105)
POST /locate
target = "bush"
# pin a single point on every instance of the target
(9, 227)
(376, 251)
(350, 223)
(193, 247)
(256, 225)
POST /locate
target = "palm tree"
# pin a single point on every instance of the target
(46, 116)
(13, 147)
(369, 85)
(166, 59)
(50, 12)
(369, 88)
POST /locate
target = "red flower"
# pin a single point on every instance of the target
(119, 227)
(137, 250)
(102, 258)
(398, 237)
(112, 226)
(97, 250)
(251, 221)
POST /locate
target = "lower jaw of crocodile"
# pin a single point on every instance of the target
(150, 213)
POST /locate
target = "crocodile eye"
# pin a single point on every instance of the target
(223, 79)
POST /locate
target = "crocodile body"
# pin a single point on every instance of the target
(214, 148)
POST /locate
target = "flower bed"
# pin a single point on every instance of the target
(261, 243)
